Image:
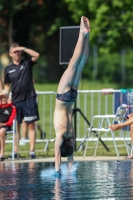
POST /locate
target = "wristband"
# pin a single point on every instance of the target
(24, 48)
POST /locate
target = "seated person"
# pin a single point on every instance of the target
(7, 114)
(128, 122)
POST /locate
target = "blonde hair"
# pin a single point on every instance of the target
(4, 93)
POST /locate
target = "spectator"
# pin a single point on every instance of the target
(7, 114)
(18, 75)
(128, 122)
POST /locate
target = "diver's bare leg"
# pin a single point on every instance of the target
(81, 65)
(68, 77)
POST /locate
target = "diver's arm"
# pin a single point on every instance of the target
(58, 143)
(70, 162)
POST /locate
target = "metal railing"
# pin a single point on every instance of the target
(90, 102)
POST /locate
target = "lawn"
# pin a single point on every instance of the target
(84, 85)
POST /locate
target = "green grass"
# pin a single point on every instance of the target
(84, 85)
(101, 151)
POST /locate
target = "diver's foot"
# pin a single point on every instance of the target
(87, 23)
(84, 25)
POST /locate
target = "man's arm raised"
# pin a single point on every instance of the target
(34, 55)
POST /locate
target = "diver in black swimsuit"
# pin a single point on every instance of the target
(66, 96)
(69, 96)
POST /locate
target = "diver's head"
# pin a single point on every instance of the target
(66, 148)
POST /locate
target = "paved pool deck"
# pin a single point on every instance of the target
(76, 158)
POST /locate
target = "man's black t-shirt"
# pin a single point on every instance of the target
(20, 78)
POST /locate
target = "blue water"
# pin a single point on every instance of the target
(88, 180)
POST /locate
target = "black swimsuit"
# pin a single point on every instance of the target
(69, 96)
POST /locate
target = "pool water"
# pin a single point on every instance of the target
(88, 180)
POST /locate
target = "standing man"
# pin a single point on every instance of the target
(18, 75)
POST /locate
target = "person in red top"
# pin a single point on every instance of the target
(7, 115)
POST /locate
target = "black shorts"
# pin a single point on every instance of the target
(27, 110)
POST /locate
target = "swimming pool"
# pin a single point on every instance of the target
(93, 180)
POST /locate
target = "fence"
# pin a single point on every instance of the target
(100, 102)
(90, 102)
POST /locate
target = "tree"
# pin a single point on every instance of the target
(36, 24)
(111, 22)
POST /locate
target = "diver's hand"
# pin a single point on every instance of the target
(58, 173)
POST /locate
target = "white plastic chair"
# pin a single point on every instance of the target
(108, 119)
(12, 131)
